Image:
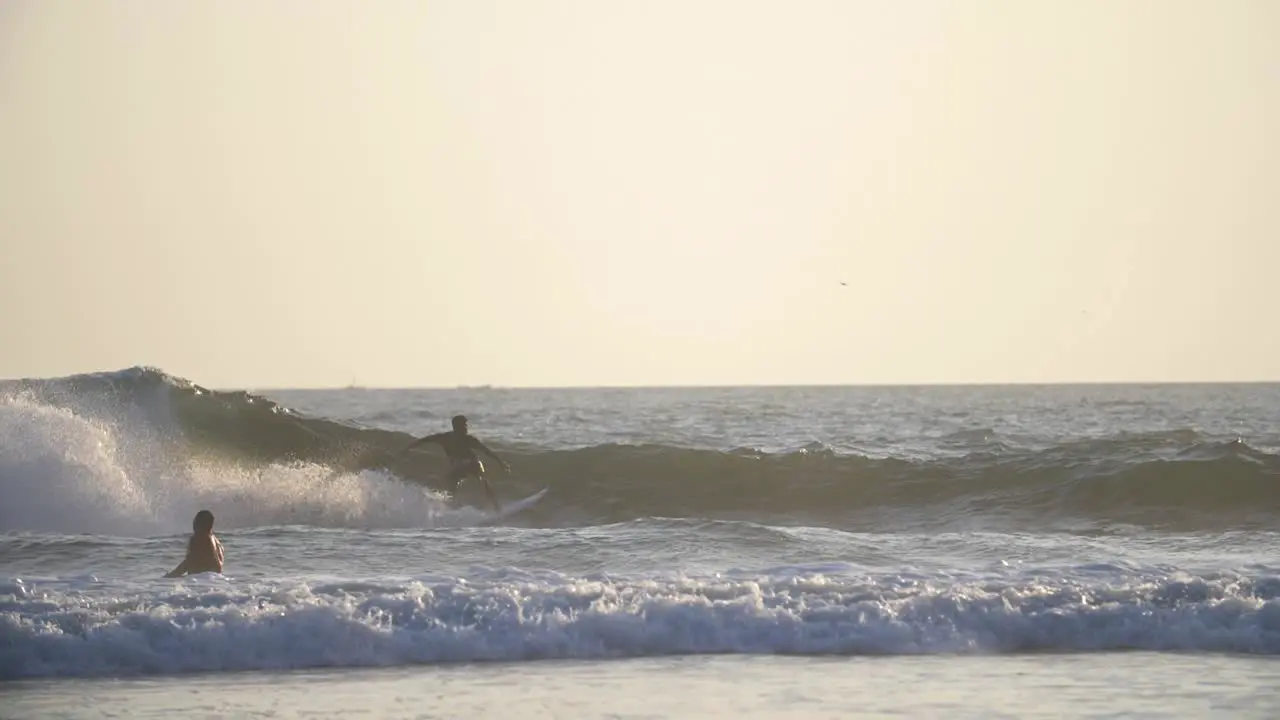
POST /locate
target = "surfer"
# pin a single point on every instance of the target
(460, 447)
(204, 551)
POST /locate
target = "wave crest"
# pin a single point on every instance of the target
(158, 423)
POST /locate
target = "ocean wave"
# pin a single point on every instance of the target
(134, 444)
(61, 629)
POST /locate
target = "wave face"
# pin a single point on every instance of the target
(211, 624)
(1112, 481)
(131, 452)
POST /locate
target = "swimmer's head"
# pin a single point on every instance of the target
(203, 522)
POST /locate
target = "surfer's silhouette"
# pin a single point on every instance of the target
(460, 447)
(204, 552)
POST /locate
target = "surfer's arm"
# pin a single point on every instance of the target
(475, 442)
(186, 560)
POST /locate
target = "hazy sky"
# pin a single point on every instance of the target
(528, 192)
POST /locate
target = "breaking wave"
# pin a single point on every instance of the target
(132, 452)
(76, 628)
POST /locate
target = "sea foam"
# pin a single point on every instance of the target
(82, 627)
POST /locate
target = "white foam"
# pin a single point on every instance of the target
(80, 628)
(59, 472)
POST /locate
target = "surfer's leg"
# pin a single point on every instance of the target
(477, 472)
(473, 470)
(454, 481)
(488, 489)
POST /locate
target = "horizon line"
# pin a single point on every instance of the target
(672, 386)
(768, 386)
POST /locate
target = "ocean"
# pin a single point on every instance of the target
(1021, 551)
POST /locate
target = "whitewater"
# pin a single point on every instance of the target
(787, 548)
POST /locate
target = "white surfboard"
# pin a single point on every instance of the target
(512, 508)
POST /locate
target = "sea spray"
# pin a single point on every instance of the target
(64, 472)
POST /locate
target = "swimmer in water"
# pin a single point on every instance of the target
(461, 447)
(204, 552)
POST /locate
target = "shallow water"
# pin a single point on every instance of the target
(1027, 686)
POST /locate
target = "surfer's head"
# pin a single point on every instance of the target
(460, 423)
(203, 522)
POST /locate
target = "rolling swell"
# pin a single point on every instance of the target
(1176, 479)
(1234, 486)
